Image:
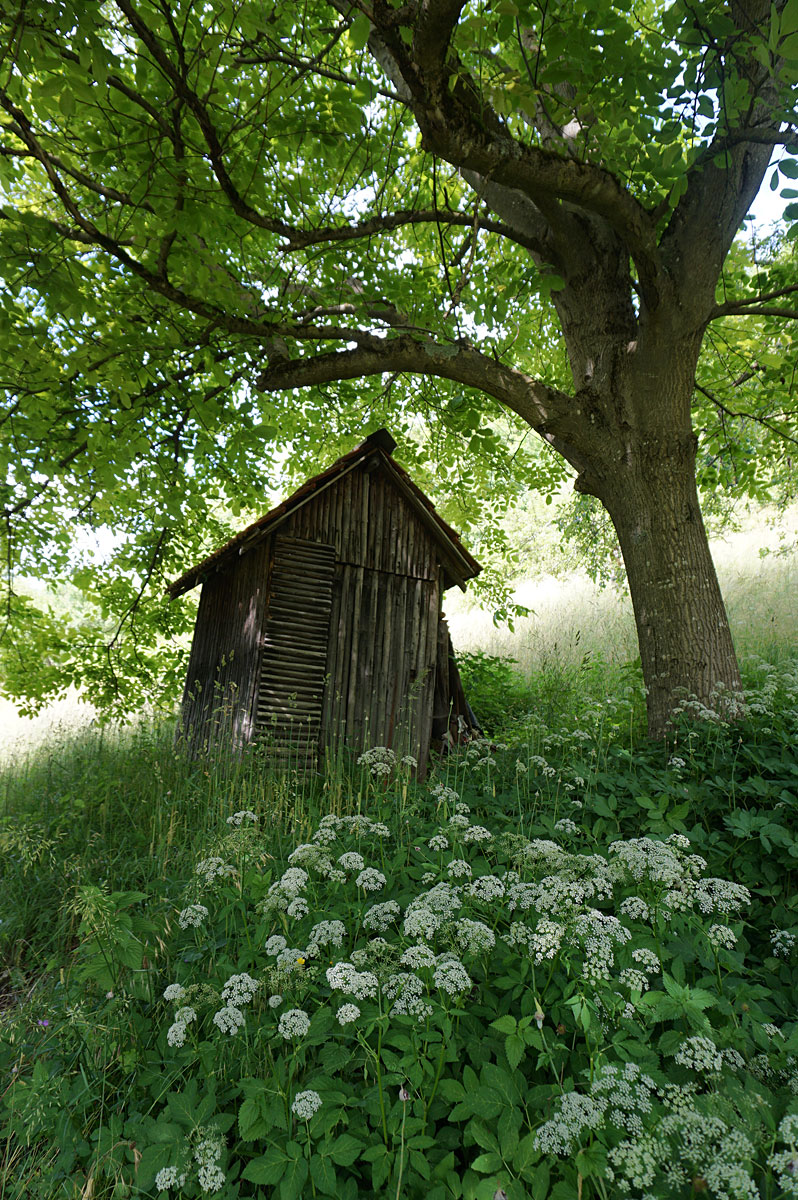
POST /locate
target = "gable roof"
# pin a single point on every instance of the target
(458, 563)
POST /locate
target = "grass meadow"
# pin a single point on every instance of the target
(564, 967)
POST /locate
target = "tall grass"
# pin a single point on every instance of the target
(575, 627)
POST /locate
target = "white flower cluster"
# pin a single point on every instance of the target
(451, 976)
(176, 1033)
(169, 1177)
(380, 761)
(635, 908)
(345, 977)
(229, 1019)
(438, 841)
(699, 1054)
(784, 1163)
(326, 933)
(647, 960)
(287, 888)
(214, 868)
(306, 1104)
(240, 989)
(486, 887)
(207, 1152)
(721, 937)
(476, 833)
(347, 1013)
(444, 795)
(617, 1094)
(238, 818)
(380, 917)
(576, 1113)
(473, 937)
(370, 880)
(566, 825)
(192, 917)
(418, 957)
(459, 869)
(783, 942)
(351, 861)
(294, 1023)
(406, 990)
(685, 1146)
(308, 854)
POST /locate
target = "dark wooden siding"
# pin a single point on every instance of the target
(381, 661)
(370, 524)
(218, 703)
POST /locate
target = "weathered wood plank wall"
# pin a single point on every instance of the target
(218, 702)
(384, 613)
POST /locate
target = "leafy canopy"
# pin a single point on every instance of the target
(194, 196)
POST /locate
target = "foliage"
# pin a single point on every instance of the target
(599, 944)
(176, 238)
(496, 691)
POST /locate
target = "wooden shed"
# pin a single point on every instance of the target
(320, 626)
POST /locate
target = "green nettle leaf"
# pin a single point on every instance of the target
(514, 1048)
(345, 1149)
(269, 1168)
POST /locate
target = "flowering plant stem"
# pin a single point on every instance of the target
(379, 1084)
(435, 1082)
(402, 1150)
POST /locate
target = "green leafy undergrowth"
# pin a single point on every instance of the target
(564, 966)
(426, 1001)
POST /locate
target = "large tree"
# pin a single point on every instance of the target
(208, 206)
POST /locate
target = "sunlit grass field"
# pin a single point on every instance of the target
(572, 621)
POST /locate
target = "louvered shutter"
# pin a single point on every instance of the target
(293, 662)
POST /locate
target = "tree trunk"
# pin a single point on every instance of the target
(686, 648)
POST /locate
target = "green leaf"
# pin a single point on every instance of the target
(514, 1048)
(345, 1149)
(487, 1164)
(269, 1168)
(291, 1184)
(359, 31)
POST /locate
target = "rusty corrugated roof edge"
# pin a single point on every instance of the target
(375, 443)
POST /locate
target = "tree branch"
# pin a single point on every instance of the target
(744, 307)
(730, 412)
(300, 239)
(435, 25)
(551, 413)
(459, 126)
(108, 193)
(240, 206)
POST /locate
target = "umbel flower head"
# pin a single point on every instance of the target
(306, 1105)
